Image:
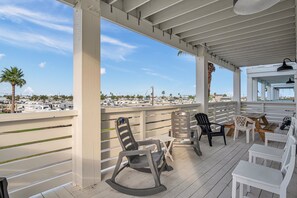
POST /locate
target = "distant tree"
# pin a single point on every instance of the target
(43, 98)
(15, 77)
(70, 97)
(34, 97)
(224, 95)
(102, 96)
(163, 93)
(55, 97)
(8, 97)
(17, 98)
(191, 97)
(139, 96)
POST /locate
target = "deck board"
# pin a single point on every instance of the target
(207, 176)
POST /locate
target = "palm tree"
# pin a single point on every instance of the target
(211, 69)
(163, 93)
(14, 76)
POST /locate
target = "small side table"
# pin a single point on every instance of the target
(166, 139)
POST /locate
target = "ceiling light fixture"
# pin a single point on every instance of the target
(290, 81)
(246, 7)
(284, 66)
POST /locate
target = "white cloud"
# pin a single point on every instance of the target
(32, 40)
(28, 91)
(42, 64)
(18, 14)
(152, 73)
(115, 49)
(109, 40)
(1, 56)
(103, 71)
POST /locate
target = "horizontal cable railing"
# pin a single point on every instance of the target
(275, 111)
(36, 151)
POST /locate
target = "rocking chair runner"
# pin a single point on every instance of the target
(205, 125)
(141, 160)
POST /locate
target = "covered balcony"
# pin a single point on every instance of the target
(72, 153)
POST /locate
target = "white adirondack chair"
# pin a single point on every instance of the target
(276, 137)
(269, 179)
(241, 125)
(271, 153)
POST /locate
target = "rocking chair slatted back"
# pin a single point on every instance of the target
(180, 123)
(125, 135)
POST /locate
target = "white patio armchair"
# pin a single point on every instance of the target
(241, 124)
(276, 137)
(269, 179)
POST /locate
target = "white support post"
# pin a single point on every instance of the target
(249, 89)
(237, 89)
(263, 85)
(276, 94)
(202, 82)
(86, 81)
(295, 90)
(268, 92)
(255, 89)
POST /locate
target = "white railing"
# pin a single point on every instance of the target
(36, 151)
(275, 111)
(36, 148)
(145, 122)
(221, 112)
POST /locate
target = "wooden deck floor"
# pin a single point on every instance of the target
(207, 176)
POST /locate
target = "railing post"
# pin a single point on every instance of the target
(142, 120)
(237, 89)
(214, 113)
(263, 107)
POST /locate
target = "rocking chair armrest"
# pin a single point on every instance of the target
(135, 152)
(149, 142)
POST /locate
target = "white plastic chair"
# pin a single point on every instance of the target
(276, 137)
(271, 153)
(241, 124)
(269, 179)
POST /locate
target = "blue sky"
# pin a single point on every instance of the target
(37, 37)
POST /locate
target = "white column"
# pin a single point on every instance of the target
(202, 82)
(263, 85)
(272, 93)
(237, 88)
(295, 89)
(249, 85)
(255, 89)
(86, 79)
(276, 94)
(268, 92)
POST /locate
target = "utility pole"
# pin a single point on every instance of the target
(153, 95)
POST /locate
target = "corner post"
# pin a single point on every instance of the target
(255, 89)
(86, 91)
(202, 82)
(237, 88)
(263, 86)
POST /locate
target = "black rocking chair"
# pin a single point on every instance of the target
(205, 125)
(141, 160)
